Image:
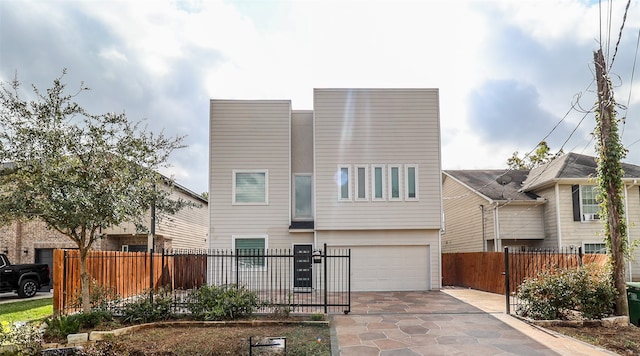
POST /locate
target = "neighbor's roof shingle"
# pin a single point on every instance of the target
(570, 166)
(484, 182)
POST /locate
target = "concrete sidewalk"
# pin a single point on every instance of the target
(452, 321)
(495, 304)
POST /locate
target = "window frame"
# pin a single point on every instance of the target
(601, 245)
(294, 216)
(234, 176)
(582, 204)
(383, 183)
(339, 177)
(356, 182)
(235, 238)
(406, 182)
(390, 196)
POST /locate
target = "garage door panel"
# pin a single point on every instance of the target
(389, 268)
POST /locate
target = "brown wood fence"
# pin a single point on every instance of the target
(125, 274)
(485, 270)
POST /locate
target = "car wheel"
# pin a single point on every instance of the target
(27, 288)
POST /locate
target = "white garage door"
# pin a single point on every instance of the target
(389, 268)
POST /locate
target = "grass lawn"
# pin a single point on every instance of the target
(26, 310)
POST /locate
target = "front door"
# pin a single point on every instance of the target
(302, 263)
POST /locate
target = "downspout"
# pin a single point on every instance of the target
(498, 243)
(484, 241)
(626, 213)
(558, 223)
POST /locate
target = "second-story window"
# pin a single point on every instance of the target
(394, 182)
(588, 202)
(250, 187)
(344, 182)
(411, 181)
(303, 197)
(378, 182)
(362, 182)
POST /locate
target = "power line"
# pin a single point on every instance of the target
(624, 19)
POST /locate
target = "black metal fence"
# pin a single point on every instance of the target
(520, 264)
(298, 280)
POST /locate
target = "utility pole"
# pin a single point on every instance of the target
(610, 152)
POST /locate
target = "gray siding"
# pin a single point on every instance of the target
(369, 126)
(521, 222)
(247, 134)
(302, 142)
(463, 218)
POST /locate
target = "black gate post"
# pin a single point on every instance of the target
(326, 294)
(507, 287)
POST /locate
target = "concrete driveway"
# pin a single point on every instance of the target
(442, 323)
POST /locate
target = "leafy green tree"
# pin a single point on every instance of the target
(78, 172)
(540, 156)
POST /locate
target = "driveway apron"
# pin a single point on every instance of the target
(425, 323)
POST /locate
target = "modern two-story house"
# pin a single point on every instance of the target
(359, 171)
(551, 206)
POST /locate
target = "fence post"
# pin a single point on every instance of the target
(326, 294)
(507, 287)
(237, 267)
(580, 256)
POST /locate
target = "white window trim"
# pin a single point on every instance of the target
(293, 207)
(406, 182)
(339, 183)
(383, 183)
(266, 247)
(582, 213)
(266, 186)
(584, 246)
(390, 182)
(356, 181)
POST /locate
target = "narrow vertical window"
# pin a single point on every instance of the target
(394, 183)
(303, 197)
(411, 183)
(377, 177)
(362, 181)
(344, 185)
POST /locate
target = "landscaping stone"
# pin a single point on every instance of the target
(615, 321)
(77, 338)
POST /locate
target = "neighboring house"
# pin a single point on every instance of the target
(551, 206)
(28, 242)
(360, 171)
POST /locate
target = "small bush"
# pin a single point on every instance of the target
(222, 302)
(20, 339)
(58, 327)
(101, 297)
(144, 310)
(552, 295)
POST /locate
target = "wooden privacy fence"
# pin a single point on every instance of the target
(125, 274)
(486, 270)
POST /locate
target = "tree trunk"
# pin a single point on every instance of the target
(85, 282)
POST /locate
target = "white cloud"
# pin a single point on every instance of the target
(165, 59)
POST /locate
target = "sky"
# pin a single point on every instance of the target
(510, 73)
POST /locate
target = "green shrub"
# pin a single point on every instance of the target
(222, 302)
(143, 310)
(101, 297)
(552, 295)
(58, 327)
(20, 339)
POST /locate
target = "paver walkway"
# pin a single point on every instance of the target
(436, 323)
